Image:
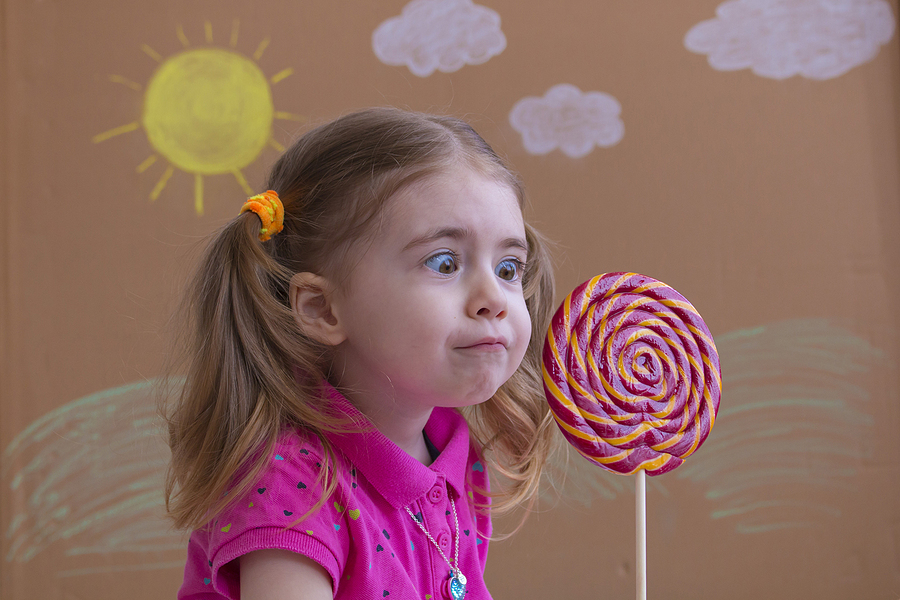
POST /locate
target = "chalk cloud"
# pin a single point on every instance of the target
(818, 39)
(442, 35)
(568, 119)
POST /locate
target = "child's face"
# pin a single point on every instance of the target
(434, 313)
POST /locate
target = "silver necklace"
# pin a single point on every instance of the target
(457, 579)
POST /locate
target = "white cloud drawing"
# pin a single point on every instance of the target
(439, 35)
(568, 119)
(818, 39)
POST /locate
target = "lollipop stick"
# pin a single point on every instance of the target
(625, 337)
(640, 506)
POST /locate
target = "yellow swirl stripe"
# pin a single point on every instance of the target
(631, 436)
(569, 404)
(623, 372)
(648, 323)
(682, 333)
(585, 298)
(671, 403)
(697, 433)
(622, 417)
(618, 282)
(558, 360)
(651, 285)
(610, 304)
(617, 417)
(710, 407)
(665, 445)
(589, 438)
(602, 460)
(713, 370)
(639, 367)
(694, 363)
(575, 349)
(558, 393)
(573, 339)
(697, 332)
(631, 307)
(612, 391)
(594, 368)
(676, 345)
(574, 384)
(599, 419)
(682, 304)
(653, 465)
(647, 465)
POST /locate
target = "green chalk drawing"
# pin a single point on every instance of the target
(747, 508)
(122, 569)
(89, 475)
(794, 422)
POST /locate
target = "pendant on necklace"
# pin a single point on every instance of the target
(457, 585)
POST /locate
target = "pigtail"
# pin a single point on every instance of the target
(240, 386)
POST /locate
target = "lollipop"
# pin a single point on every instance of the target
(631, 374)
(632, 377)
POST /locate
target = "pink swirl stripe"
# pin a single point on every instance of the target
(631, 373)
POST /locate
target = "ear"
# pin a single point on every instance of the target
(311, 297)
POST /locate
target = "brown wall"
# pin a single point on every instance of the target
(772, 204)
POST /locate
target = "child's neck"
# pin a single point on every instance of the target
(401, 427)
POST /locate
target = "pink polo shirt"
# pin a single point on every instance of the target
(363, 536)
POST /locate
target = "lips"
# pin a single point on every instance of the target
(487, 344)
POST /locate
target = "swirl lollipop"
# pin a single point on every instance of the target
(631, 374)
(632, 377)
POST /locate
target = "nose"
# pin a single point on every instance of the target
(487, 299)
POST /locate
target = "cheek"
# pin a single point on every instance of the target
(522, 326)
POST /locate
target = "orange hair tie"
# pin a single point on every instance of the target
(270, 210)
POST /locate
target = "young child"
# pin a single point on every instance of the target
(353, 372)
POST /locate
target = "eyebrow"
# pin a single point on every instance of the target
(460, 233)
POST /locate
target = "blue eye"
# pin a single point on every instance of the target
(444, 263)
(509, 269)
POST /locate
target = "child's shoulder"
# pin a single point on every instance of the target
(296, 452)
(299, 442)
(294, 462)
(289, 482)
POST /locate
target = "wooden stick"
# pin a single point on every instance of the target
(640, 493)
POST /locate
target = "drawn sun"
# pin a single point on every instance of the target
(207, 111)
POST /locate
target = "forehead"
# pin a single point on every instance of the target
(457, 197)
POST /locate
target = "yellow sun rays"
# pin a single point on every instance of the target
(207, 111)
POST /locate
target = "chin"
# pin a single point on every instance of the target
(481, 395)
(470, 393)
(462, 399)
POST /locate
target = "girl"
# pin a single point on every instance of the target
(351, 378)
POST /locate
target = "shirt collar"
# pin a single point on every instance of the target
(396, 475)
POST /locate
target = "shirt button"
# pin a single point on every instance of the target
(436, 494)
(443, 540)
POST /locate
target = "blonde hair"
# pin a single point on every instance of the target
(251, 370)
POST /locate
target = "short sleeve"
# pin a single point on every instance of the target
(268, 516)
